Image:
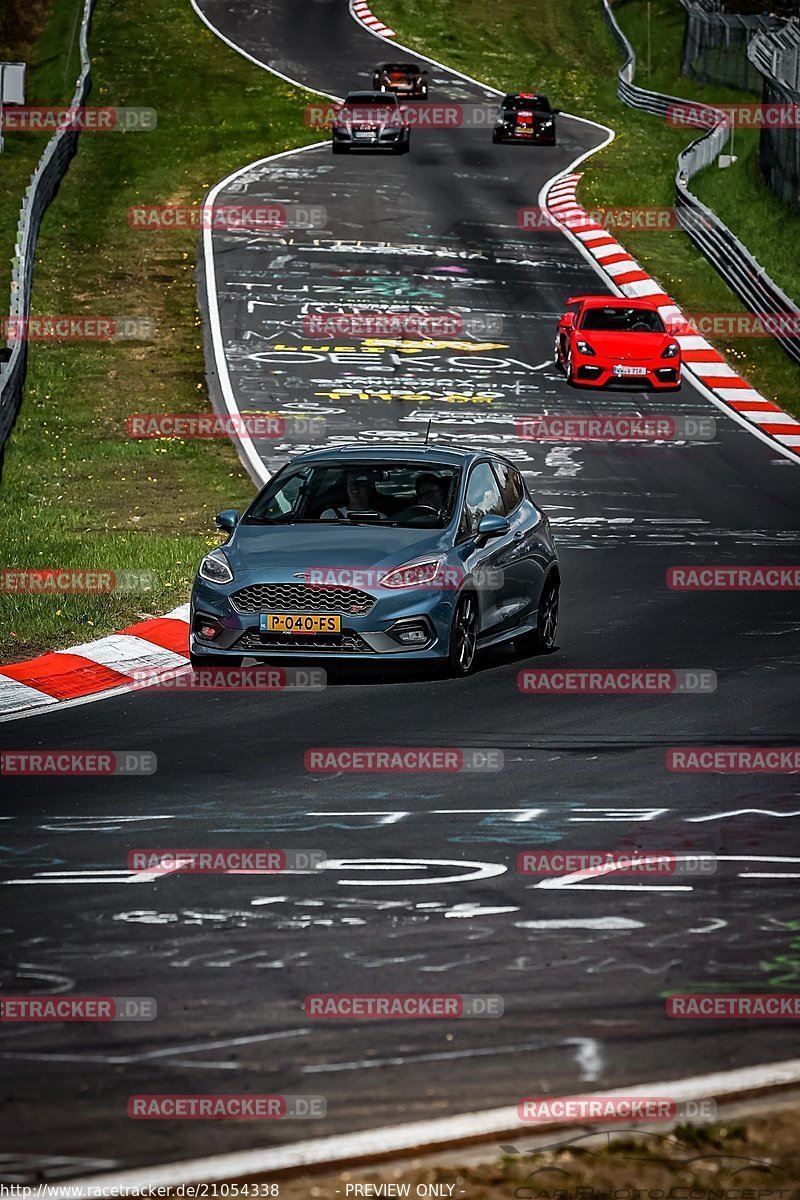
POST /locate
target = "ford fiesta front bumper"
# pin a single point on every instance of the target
(410, 623)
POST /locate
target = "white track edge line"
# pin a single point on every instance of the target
(221, 361)
(417, 1137)
(253, 462)
(257, 61)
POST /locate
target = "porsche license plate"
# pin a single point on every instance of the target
(623, 370)
(309, 623)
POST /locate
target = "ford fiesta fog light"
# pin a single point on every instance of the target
(207, 628)
(411, 631)
(411, 637)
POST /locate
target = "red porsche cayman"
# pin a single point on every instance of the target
(613, 341)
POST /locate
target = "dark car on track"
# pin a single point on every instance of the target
(404, 79)
(370, 121)
(615, 341)
(395, 553)
(526, 117)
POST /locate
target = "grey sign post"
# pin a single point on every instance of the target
(12, 88)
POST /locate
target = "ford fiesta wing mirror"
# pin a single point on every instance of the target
(226, 521)
(491, 526)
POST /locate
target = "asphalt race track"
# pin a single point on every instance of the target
(421, 891)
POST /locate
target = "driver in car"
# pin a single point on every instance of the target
(430, 491)
(362, 496)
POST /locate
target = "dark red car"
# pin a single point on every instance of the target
(611, 340)
(404, 79)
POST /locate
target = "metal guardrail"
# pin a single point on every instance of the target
(49, 172)
(776, 56)
(727, 255)
(715, 43)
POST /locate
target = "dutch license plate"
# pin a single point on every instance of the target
(621, 370)
(300, 623)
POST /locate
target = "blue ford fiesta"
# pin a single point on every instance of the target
(360, 553)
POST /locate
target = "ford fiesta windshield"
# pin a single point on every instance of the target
(412, 495)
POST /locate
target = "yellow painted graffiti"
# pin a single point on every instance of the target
(446, 398)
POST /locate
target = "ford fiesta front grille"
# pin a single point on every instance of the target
(347, 642)
(301, 597)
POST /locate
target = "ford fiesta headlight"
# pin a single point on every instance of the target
(215, 568)
(422, 572)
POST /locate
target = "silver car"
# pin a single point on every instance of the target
(371, 121)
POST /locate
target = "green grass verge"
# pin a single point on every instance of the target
(76, 492)
(741, 199)
(568, 52)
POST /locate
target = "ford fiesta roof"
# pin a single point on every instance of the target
(394, 451)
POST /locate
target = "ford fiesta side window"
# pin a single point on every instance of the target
(483, 496)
